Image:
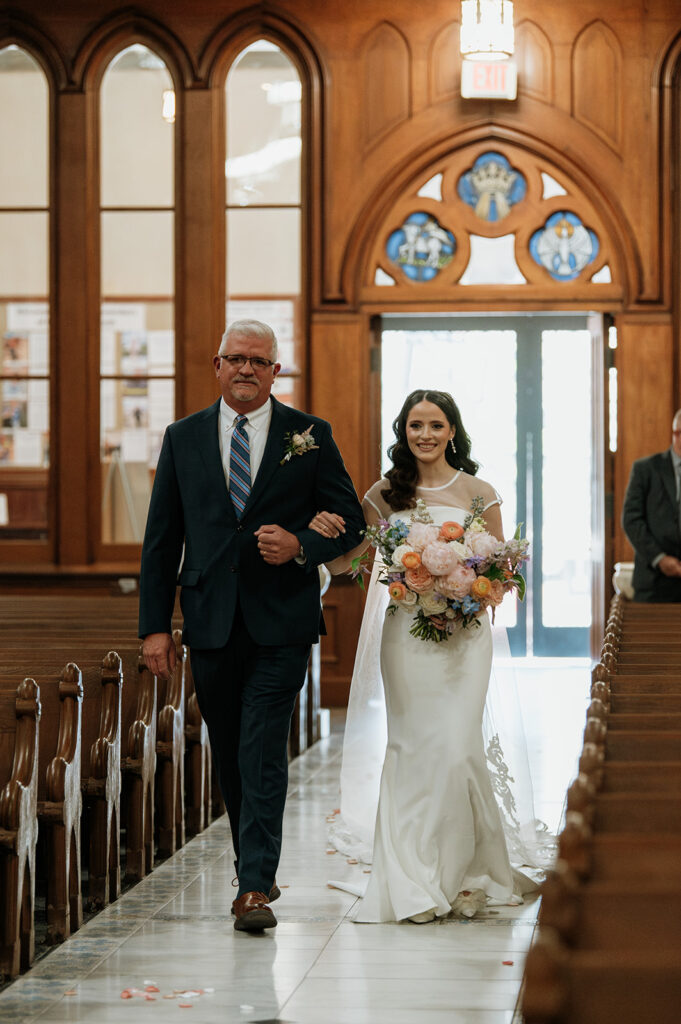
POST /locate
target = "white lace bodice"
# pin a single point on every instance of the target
(457, 494)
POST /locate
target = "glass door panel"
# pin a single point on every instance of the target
(523, 385)
(563, 599)
(458, 361)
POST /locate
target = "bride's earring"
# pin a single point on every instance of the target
(451, 441)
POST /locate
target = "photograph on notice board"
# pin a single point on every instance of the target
(15, 355)
(14, 404)
(134, 352)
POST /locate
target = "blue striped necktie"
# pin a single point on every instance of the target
(239, 466)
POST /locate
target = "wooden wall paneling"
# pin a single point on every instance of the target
(386, 75)
(26, 492)
(339, 371)
(444, 74)
(597, 93)
(535, 59)
(646, 402)
(343, 609)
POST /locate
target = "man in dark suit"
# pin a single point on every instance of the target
(651, 518)
(236, 486)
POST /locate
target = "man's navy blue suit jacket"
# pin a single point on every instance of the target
(191, 512)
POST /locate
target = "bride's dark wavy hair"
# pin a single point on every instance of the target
(403, 477)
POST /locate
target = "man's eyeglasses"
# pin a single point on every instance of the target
(257, 362)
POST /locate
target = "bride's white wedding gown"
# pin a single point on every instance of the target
(438, 828)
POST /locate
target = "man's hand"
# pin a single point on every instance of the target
(277, 545)
(670, 566)
(160, 656)
(329, 524)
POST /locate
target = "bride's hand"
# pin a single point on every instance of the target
(329, 524)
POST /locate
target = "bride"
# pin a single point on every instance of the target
(439, 842)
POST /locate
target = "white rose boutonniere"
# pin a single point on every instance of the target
(298, 444)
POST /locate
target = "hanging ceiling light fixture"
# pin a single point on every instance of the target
(486, 29)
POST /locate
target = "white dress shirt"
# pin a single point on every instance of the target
(257, 428)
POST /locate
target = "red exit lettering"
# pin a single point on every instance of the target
(489, 77)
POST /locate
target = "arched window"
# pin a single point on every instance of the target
(264, 206)
(24, 300)
(137, 342)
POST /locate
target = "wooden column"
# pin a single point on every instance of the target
(339, 384)
(646, 402)
(75, 329)
(200, 247)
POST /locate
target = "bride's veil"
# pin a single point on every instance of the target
(352, 830)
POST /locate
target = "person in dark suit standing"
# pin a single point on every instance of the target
(651, 518)
(235, 489)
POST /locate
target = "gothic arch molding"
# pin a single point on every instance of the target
(399, 181)
(122, 30)
(17, 31)
(597, 74)
(251, 24)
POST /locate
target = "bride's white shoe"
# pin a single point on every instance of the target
(424, 918)
(469, 902)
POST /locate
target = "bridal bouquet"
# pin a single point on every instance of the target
(446, 575)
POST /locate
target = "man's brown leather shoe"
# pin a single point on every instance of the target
(275, 893)
(252, 914)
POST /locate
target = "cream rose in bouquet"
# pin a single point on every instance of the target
(446, 576)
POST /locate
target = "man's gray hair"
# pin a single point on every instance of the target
(254, 328)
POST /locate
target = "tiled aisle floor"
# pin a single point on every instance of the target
(175, 930)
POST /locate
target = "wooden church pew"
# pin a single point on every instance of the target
(59, 796)
(101, 679)
(609, 947)
(169, 780)
(19, 746)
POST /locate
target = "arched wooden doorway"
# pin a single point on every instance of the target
(500, 228)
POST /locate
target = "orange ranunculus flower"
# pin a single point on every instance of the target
(397, 591)
(419, 579)
(451, 531)
(481, 588)
(411, 560)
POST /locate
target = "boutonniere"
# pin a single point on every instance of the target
(298, 444)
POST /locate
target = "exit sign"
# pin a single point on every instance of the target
(489, 79)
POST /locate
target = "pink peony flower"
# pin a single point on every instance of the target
(439, 557)
(421, 534)
(482, 544)
(419, 579)
(457, 584)
(497, 592)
